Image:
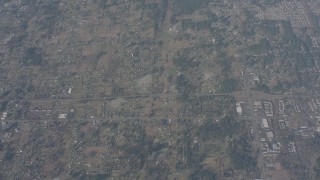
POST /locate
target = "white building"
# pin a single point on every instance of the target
(62, 116)
(270, 135)
(265, 124)
(239, 108)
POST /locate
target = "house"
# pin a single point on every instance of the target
(270, 135)
(239, 108)
(265, 124)
(62, 116)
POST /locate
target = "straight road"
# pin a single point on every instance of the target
(241, 95)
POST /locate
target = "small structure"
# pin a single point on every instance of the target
(276, 147)
(282, 124)
(239, 108)
(4, 115)
(256, 79)
(297, 107)
(264, 124)
(62, 116)
(3, 122)
(281, 107)
(257, 105)
(268, 109)
(292, 148)
(270, 135)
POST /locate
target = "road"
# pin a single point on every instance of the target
(240, 95)
(247, 96)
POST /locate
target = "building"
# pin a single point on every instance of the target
(264, 124)
(257, 105)
(239, 108)
(256, 79)
(268, 108)
(270, 136)
(62, 116)
(281, 107)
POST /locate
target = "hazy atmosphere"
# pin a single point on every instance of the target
(160, 89)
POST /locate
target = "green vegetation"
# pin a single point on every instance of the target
(316, 139)
(288, 34)
(117, 90)
(226, 127)
(78, 173)
(3, 105)
(262, 46)
(32, 56)
(241, 154)
(316, 168)
(267, 60)
(203, 174)
(157, 171)
(99, 177)
(199, 25)
(22, 89)
(184, 62)
(184, 87)
(9, 155)
(188, 150)
(269, 27)
(227, 86)
(184, 7)
(261, 87)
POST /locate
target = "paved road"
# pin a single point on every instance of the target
(248, 96)
(114, 119)
(241, 95)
